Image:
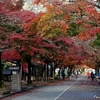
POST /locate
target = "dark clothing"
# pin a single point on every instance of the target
(69, 73)
(92, 76)
(63, 74)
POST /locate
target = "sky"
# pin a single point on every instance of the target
(28, 5)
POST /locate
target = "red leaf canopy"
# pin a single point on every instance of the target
(11, 55)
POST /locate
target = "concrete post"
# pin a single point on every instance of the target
(16, 82)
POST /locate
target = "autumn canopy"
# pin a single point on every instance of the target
(62, 32)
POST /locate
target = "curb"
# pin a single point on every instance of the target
(22, 90)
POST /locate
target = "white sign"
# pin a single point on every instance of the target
(14, 72)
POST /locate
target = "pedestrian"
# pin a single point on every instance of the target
(69, 74)
(76, 73)
(92, 76)
(63, 74)
(59, 73)
(88, 74)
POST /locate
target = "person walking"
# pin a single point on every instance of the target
(69, 74)
(63, 74)
(88, 74)
(76, 73)
(92, 76)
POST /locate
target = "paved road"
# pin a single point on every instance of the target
(81, 88)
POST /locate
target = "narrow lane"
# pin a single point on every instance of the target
(60, 95)
(81, 88)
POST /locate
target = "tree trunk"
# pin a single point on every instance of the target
(1, 72)
(29, 69)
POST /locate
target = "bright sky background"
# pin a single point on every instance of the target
(28, 5)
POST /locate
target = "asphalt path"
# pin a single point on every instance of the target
(80, 88)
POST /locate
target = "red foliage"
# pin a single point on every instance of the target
(11, 5)
(2, 11)
(65, 40)
(64, 26)
(21, 16)
(16, 36)
(35, 50)
(31, 44)
(36, 1)
(11, 55)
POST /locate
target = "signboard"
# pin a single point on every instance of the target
(14, 68)
(14, 72)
